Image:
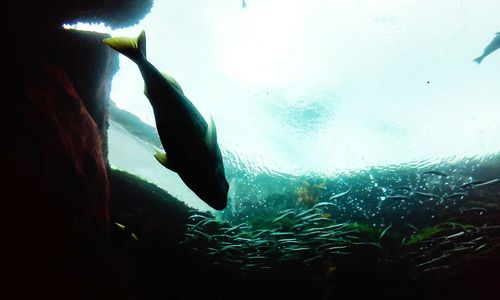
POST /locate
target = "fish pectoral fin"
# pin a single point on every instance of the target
(211, 134)
(161, 157)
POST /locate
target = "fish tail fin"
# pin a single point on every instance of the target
(479, 59)
(133, 48)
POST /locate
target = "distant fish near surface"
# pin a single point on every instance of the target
(487, 183)
(340, 194)
(437, 173)
(492, 47)
(190, 142)
(470, 184)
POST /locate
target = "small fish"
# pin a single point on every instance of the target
(335, 226)
(384, 232)
(308, 234)
(287, 214)
(457, 195)
(412, 226)
(275, 234)
(376, 245)
(313, 259)
(288, 241)
(286, 210)
(459, 234)
(481, 247)
(305, 213)
(203, 234)
(474, 210)
(261, 232)
(340, 194)
(297, 249)
(397, 197)
(480, 238)
(240, 239)
(299, 225)
(324, 246)
(404, 188)
(318, 219)
(341, 253)
(335, 248)
(492, 47)
(198, 224)
(487, 183)
(427, 195)
(134, 237)
(470, 184)
(459, 249)
(231, 247)
(243, 4)
(490, 227)
(315, 215)
(235, 227)
(222, 236)
(437, 268)
(437, 173)
(197, 216)
(119, 226)
(191, 144)
(257, 257)
(312, 230)
(321, 204)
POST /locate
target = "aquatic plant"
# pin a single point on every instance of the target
(429, 232)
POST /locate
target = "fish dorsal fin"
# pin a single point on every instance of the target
(141, 43)
(211, 135)
(172, 82)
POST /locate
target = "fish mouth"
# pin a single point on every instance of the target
(218, 205)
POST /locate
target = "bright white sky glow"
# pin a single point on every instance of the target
(322, 86)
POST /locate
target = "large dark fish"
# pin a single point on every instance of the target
(494, 45)
(190, 143)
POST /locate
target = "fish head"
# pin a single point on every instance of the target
(215, 188)
(206, 178)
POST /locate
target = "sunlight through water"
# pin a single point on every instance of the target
(302, 87)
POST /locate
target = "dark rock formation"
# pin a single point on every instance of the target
(55, 190)
(53, 13)
(146, 209)
(90, 66)
(155, 263)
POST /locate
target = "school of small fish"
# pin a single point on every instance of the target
(307, 238)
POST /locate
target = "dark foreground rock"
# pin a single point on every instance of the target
(54, 87)
(56, 189)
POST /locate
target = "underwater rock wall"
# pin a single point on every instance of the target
(55, 190)
(90, 67)
(53, 13)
